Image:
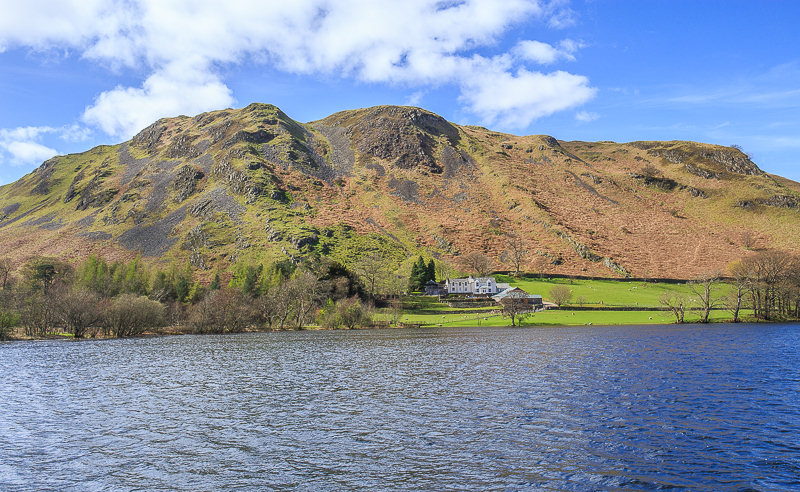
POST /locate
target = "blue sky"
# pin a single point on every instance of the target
(75, 74)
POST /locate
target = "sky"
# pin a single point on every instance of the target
(79, 73)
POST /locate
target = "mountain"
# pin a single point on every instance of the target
(255, 183)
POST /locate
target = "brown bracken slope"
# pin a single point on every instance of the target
(401, 181)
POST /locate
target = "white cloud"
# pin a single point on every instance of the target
(415, 98)
(175, 90)
(182, 45)
(544, 53)
(514, 100)
(20, 146)
(586, 116)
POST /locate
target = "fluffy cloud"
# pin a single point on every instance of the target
(182, 45)
(544, 53)
(514, 100)
(177, 89)
(586, 116)
(21, 146)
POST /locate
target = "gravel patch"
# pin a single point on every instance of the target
(153, 240)
(96, 235)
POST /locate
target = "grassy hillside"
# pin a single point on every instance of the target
(397, 182)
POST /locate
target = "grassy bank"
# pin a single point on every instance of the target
(559, 317)
(608, 292)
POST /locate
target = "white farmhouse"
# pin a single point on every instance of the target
(470, 285)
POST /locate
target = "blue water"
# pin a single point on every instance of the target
(600, 408)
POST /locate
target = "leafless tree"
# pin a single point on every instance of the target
(444, 270)
(374, 271)
(38, 314)
(735, 299)
(304, 289)
(77, 309)
(478, 263)
(560, 294)
(766, 277)
(130, 315)
(703, 288)
(748, 239)
(5, 271)
(675, 303)
(515, 253)
(516, 309)
(221, 311)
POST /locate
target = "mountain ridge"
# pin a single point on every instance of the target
(397, 181)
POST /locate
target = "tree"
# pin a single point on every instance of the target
(735, 296)
(5, 271)
(560, 294)
(767, 273)
(215, 283)
(417, 279)
(748, 239)
(444, 270)
(515, 253)
(702, 287)
(304, 294)
(43, 273)
(8, 321)
(345, 313)
(130, 315)
(78, 309)
(478, 264)
(373, 270)
(516, 308)
(675, 303)
(38, 314)
(430, 272)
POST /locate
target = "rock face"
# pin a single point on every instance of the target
(396, 181)
(405, 137)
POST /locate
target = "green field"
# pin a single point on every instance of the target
(429, 311)
(558, 317)
(607, 292)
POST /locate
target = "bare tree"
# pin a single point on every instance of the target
(374, 271)
(735, 298)
(77, 309)
(675, 303)
(703, 288)
(515, 253)
(305, 290)
(38, 314)
(515, 308)
(220, 311)
(478, 263)
(748, 239)
(766, 276)
(444, 270)
(130, 315)
(560, 294)
(5, 271)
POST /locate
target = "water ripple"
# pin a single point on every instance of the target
(623, 408)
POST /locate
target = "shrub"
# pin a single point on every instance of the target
(131, 315)
(8, 321)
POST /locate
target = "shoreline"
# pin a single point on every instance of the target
(70, 338)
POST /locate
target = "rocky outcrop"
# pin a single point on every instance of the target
(703, 173)
(186, 181)
(664, 184)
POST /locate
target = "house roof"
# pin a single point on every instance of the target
(515, 292)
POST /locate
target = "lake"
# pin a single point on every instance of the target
(581, 408)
